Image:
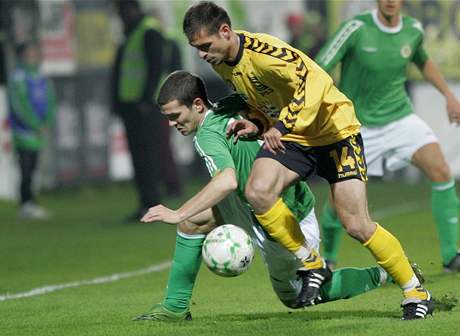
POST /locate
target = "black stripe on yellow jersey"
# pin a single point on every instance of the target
(289, 90)
(290, 56)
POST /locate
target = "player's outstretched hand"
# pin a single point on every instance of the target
(453, 109)
(160, 213)
(272, 141)
(241, 128)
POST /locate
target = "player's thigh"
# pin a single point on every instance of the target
(403, 138)
(343, 160)
(272, 173)
(343, 165)
(432, 162)
(269, 177)
(350, 202)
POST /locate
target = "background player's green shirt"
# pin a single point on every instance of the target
(220, 153)
(374, 65)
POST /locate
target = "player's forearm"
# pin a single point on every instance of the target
(215, 191)
(432, 73)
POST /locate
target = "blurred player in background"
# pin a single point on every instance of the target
(32, 110)
(313, 129)
(137, 71)
(375, 49)
(184, 102)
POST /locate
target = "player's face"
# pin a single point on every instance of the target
(184, 119)
(214, 48)
(389, 8)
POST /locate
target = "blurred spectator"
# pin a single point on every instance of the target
(136, 74)
(168, 167)
(172, 60)
(308, 32)
(32, 110)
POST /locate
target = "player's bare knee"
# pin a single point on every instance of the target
(358, 228)
(258, 196)
(190, 228)
(441, 173)
(187, 227)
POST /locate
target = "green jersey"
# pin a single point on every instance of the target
(374, 61)
(219, 153)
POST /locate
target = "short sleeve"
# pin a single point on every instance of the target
(338, 45)
(420, 55)
(214, 150)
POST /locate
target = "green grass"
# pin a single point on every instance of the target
(85, 240)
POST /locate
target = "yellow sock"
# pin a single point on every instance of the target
(313, 261)
(418, 293)
(390, 256)
(281, 224)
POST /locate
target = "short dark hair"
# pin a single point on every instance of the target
(184, 87)
(204, 14)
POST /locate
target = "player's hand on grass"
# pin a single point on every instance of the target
(160, 213)
(453, 109)
(272, 141)
(241, 128)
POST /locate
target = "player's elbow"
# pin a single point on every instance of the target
(231, 185)
(260, 196)
(230, 181)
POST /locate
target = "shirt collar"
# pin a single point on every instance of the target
(240, 52)
(208, 112)
(385, 29)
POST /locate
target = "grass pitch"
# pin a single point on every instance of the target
(85, 240)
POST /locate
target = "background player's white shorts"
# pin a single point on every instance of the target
(282, 265)
(392, 146)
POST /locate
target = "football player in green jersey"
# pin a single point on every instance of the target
(375, 49)
(184, 102)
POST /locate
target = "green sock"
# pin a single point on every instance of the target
(184, 269)
(349, 282)
(332, 232)
(444, 203)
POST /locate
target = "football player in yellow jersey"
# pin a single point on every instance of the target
(311, 128)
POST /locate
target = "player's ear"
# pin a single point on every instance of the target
(199, 105)
(224, 31)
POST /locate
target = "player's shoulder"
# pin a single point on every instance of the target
(358, 21)
(412, 24)
(253, 41)
(268, 52)
(214, 125)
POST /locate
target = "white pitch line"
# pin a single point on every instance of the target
(395, 210)
(100, 280)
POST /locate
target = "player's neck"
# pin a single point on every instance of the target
(387, 20)
(202, 117)
(234, 47)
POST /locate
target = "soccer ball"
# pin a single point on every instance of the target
(228, 250)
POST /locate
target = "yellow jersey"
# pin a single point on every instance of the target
(290, 89)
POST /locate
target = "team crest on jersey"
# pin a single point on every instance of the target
(260, 87)
(406, 51)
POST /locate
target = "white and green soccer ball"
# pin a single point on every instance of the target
(228, 250)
